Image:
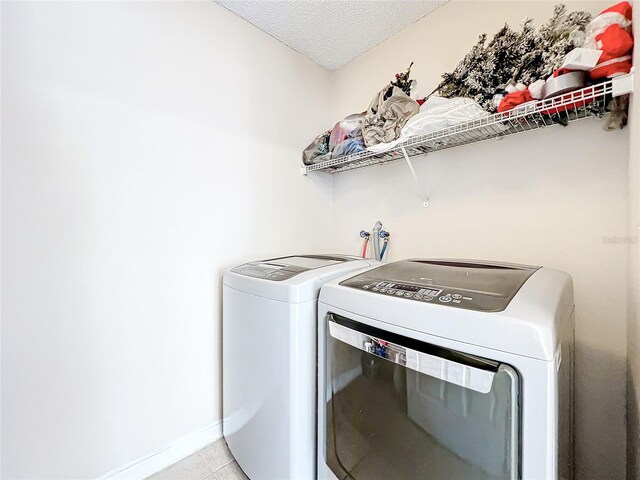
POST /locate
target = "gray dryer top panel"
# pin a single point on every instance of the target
(283, 268)
(469, 284)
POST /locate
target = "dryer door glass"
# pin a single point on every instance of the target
(401, 408)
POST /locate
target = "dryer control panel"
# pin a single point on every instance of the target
(418, 292)
(487, 287)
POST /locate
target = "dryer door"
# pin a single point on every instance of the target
(401, 408)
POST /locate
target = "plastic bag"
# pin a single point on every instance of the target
(348, 147)
(317, 149)
(346, 136)
(438, 112)
(350, 126)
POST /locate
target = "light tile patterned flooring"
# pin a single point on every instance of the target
(213, 462)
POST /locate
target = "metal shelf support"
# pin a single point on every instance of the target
(423, 196)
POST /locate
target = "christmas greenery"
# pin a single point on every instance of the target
(515, 57)
(402, 81)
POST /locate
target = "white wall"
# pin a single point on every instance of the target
(146, 147)
(633, 325)
(544, 198)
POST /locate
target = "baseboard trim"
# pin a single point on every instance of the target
(164, 457)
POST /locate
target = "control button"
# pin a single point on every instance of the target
(408, 294)
(366, 287)
(457, 296)
(428, 298)
(391, 291)
(383, 290)
(398, 294)
(375, 289)
(417, 296)
(445, 299)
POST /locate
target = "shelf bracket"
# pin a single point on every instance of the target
(425, 199)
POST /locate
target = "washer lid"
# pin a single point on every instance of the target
(473, 285)
(283, 268)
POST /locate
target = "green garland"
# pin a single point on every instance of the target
(515, 57)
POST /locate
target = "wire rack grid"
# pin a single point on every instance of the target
(560, 110)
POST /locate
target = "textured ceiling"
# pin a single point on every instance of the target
(331, 32)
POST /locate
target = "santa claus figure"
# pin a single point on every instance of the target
(610, 32)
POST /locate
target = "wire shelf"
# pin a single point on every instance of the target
(561, 110)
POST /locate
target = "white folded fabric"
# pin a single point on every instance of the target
(438, 113)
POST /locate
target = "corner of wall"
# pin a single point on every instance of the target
(332, 113)
(633, 308)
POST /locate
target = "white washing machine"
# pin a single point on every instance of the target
(269, 362)
(446, 369)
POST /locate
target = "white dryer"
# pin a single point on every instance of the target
(269, 362)
(446, 369)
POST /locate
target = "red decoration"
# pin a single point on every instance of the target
(612, 35)
(514, 99)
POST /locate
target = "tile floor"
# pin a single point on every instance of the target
(213, 462)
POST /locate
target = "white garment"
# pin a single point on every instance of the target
(383, 147)
(438, 112)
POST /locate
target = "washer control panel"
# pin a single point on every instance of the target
(269, 271)
(417, 292)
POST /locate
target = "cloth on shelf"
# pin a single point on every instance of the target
(383, 147)
(348, 127)
(348, 147)
(435, 113)
(610, 32)
(439, 112)
(387, 114)
(317, 150)
(514, 99)
(346, 136)
(319, 159)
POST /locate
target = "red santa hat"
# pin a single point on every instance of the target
(619, 13)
